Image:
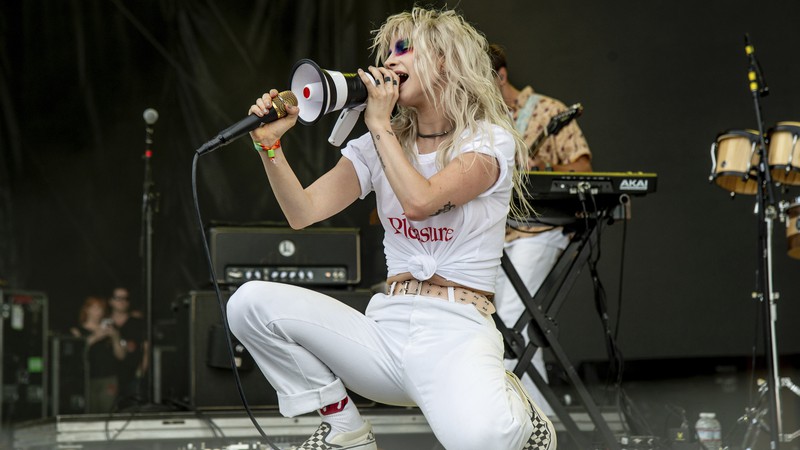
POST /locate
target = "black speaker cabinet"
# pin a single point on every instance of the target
(69, 375)
(24, 375)
(321, 257)
(194, 370)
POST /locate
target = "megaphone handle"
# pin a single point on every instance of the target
(345, 123)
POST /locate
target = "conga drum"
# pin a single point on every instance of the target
(734, 161)
(784, 153)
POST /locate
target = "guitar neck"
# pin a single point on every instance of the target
(537, 144)
(556, 124)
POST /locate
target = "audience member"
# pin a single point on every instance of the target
(130, 370)
(103, 352)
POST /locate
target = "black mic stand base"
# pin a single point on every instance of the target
(755, 417)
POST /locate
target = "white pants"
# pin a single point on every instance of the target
(532, 257)
(445, 357)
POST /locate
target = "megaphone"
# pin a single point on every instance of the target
(321, 91)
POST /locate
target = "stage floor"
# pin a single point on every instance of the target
(395, 429)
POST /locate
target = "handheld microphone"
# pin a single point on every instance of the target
(250, 123)
(150, 117)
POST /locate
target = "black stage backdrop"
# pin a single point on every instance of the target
(658, 80)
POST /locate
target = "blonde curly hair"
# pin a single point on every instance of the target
(452, 61)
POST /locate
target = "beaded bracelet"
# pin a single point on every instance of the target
(270, 150)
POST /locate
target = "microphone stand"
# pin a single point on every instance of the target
(149, 207)
(766, 212)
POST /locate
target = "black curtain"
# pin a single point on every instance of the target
(658, 80)
(75, 78)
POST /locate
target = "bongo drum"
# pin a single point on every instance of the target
(793, 229)
(784, 153)
(735, 161)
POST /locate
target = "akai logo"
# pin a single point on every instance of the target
(633, 185)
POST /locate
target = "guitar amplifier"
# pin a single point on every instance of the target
(309, 257)
(69, 370)
(192, 363)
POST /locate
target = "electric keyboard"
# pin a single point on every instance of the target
(561, 198)
(564, 184)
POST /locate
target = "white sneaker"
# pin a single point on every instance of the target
(544, 435)
(361, 439)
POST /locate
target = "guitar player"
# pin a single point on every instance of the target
(534, 250)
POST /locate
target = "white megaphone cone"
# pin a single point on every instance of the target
(321, 91)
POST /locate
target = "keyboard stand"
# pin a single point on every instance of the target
(542, 308)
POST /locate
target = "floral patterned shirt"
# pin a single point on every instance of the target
(563, 148)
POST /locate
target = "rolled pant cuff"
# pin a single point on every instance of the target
(295, 404)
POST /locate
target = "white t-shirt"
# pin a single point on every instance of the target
(464, 244)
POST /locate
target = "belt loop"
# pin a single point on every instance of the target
(391, 288)
(451, 296)
(419, 287)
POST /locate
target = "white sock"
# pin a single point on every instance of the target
(343, 416)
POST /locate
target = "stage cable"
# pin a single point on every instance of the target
(621, 272)
(595, 253)
(592, 260)
(223, 312)
(112, 437)
(624, 404)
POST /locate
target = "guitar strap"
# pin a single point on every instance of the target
(524, 114)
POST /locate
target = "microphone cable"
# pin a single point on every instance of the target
(223, 312)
